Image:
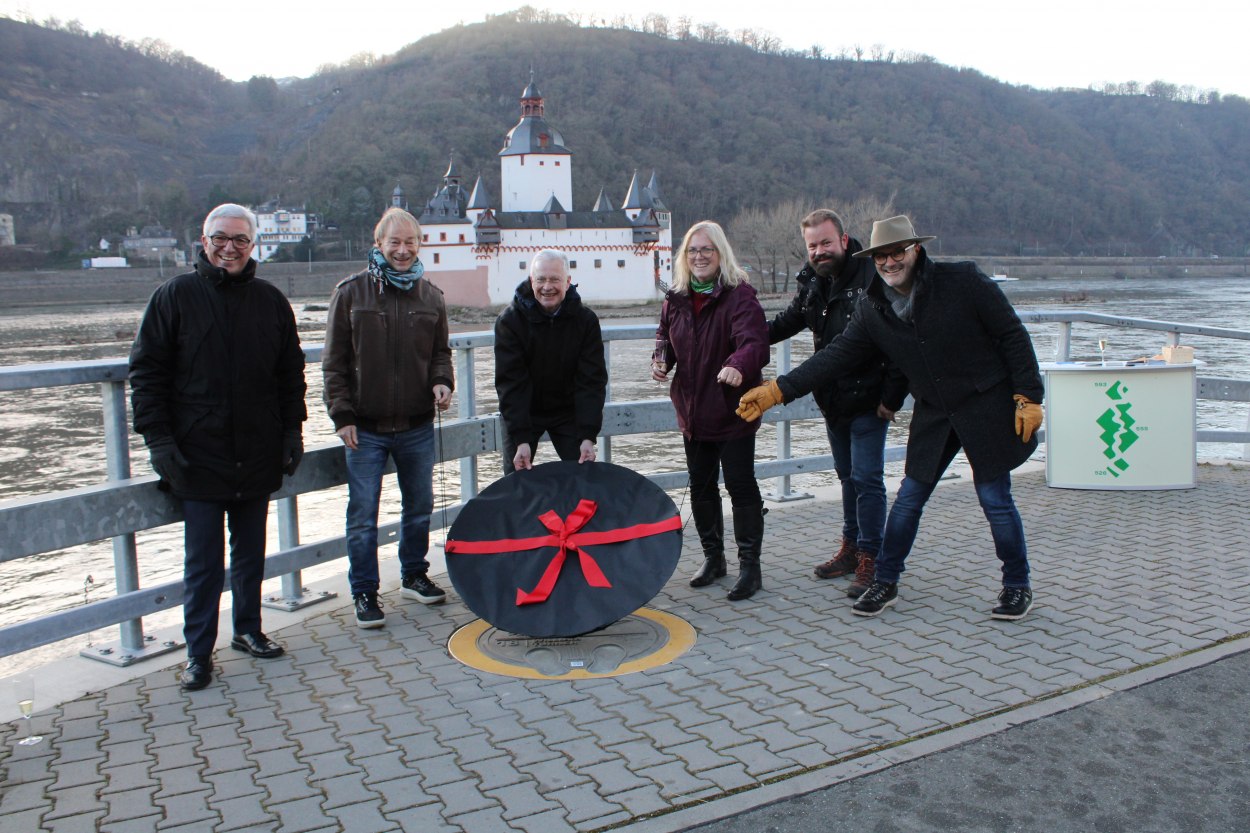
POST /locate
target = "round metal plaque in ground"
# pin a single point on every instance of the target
(644, 639)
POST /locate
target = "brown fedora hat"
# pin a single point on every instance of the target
(892, 232)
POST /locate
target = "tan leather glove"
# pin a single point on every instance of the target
(1028, 417)
(756, 401)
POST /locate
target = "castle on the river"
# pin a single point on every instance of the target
(477, 251)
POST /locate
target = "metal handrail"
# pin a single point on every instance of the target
(124, 505)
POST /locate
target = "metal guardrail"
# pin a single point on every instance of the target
(124, 505)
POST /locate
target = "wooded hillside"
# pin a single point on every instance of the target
(99, 134)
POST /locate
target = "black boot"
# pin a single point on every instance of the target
(749, 532)
(709, 522)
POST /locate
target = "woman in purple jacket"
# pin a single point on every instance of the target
(712, 330)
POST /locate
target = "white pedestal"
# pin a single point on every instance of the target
(1119, 426)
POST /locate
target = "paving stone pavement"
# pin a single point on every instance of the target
(383, 730)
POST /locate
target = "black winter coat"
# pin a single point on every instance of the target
(965, 353)
(217, 366)
(824, 306)
(549, 368)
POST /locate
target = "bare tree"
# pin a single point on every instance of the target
(771, 240)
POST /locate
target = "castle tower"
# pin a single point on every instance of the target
(534, 163)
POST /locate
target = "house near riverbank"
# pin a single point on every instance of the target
(477, 249)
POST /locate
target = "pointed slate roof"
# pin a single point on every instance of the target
(479, 198)
(553, 206)
(634, 196)
(603, 203)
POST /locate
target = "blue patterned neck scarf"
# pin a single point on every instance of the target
(384, 272)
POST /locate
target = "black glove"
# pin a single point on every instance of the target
(167, 462)
(292, 451)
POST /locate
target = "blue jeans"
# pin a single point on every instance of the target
(204, 568)
(413, 452)
(998, 506)
(859, 458)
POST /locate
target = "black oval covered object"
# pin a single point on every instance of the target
(621, 539)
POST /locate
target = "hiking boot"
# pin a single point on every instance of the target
(876, 598)
(1013, 603)
(864, 573)
(842, 563)
(368, 612)
(420, 587)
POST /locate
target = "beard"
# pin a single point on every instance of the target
(828, 265)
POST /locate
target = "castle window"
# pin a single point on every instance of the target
(436, 257)
(620, 264)
(425, 238)
(462, 238)
(598, 263)
(523, 264)
(572, 264)
(557, 163)
(541, 163)
(442, 237)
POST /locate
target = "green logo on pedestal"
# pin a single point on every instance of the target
(1117, 429)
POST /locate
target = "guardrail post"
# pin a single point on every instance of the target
(781, 490)
(467, 395)
(1063, 342)
(294, 594)
(133, 645)
(605, 443)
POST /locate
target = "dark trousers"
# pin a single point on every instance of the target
(204, 569)
(706, 460)
(563, 436)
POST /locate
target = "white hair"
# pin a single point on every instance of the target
(233, 210)
(550, 254)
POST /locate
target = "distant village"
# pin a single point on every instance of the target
(474, 248)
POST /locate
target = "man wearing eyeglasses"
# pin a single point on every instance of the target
(217, 391)
(857, 407)
(973, 372)
(550, 373)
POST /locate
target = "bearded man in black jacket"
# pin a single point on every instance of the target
(550, 373)
(859, 406)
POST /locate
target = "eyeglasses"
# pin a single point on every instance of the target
(896, 255)
(705, 252)
(240, 241)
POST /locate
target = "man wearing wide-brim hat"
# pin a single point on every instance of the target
(971, 367)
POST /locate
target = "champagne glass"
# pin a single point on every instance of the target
(660, 356)
(24, 693)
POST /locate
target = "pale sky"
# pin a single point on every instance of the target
(1059, 43)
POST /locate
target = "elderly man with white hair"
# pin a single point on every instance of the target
(550, 373)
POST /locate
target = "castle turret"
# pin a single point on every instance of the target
(534, 163)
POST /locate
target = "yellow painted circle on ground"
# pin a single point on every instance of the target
(464, 646)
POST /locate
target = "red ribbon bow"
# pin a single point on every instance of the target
(566, 536)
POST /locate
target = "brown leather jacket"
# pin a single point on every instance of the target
(385, 350)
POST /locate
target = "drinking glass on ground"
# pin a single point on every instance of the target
(22, 689)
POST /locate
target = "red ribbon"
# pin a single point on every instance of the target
(566, 536)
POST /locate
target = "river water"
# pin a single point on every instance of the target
(51, 439)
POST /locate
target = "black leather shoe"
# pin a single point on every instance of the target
(197, 674)
(257, 644)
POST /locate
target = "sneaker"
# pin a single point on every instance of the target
(842, 563)
(876, 598)
(1013, 603)
(368, 612)
(864, 573)
(420, 587)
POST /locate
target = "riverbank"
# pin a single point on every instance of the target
(311, 281)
